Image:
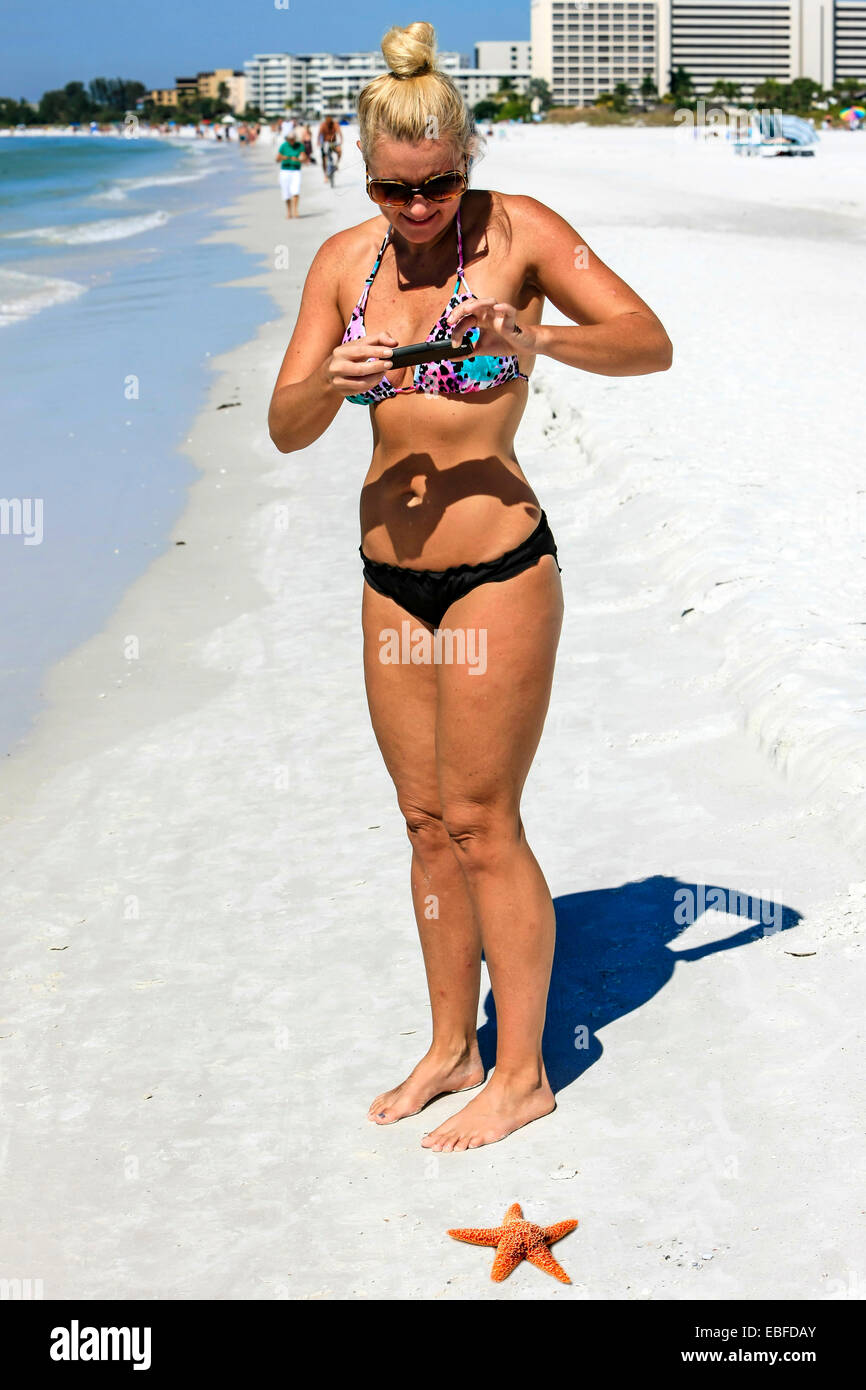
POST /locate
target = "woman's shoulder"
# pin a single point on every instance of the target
(352, 242)
(353, 250)
(505, 221)
(518, 209)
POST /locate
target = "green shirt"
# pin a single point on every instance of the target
(292, 151)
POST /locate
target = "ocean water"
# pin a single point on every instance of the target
(111, 305)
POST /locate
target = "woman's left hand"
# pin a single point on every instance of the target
(501, 335)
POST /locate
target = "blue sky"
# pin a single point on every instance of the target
(51, 42)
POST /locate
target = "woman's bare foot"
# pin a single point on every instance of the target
(436, 1074)
(504, 1105)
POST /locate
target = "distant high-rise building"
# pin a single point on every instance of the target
(205, 84)
(234, 84)
(321, 82)
(273, 80)
(503, 54)
(584, 47)
(849, 40)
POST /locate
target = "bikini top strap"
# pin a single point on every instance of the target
(362, 303)
(459, 248)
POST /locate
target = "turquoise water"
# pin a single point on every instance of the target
(110, 308)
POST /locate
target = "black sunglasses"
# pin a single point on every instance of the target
(439, 188)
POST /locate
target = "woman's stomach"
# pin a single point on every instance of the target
(444, 486)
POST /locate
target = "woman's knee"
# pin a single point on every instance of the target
(483, 833)
(425, 828)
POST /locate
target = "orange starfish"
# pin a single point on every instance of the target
(516, 1240)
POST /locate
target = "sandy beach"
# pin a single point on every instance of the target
(211, 961)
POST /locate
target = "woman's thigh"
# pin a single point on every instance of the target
(402, 700)
(489, 722)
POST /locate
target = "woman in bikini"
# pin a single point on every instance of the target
(454, 537)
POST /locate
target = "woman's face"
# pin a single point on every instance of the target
(420, 221)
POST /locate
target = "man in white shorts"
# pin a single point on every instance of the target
(291, 156)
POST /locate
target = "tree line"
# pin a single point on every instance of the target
(108, 99)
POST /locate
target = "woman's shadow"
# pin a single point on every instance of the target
(613, 954)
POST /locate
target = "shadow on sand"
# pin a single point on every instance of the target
(613, 954)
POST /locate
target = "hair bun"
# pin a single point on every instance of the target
(411, 51)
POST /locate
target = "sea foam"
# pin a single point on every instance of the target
(85, 233)
(23, 294)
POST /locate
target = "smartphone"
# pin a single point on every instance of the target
(413, 353)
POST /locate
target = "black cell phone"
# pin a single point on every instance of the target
(413, 353)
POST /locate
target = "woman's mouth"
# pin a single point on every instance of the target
(419, 221)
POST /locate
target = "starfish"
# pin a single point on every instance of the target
(516, 1240)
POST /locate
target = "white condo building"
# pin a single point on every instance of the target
(321, 82)
(849, 39)
(584, 47)
(503, 54)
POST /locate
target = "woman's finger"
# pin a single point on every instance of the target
(470, 306)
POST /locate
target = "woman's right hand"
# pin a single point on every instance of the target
(351, 371)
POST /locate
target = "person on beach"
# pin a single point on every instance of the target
(330, 138)
(305, 135)
(290, 156)
(455, 542)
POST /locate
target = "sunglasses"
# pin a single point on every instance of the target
(439, 188)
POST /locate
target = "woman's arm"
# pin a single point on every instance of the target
(303, 404)
(316, 376)
(619, 335)
(614, 332)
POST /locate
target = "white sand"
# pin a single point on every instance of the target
(211, 960)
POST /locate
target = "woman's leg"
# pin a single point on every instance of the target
(402, 701)
(488, 728)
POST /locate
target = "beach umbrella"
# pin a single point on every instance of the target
(853, 113)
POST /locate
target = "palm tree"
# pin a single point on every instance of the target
(621, 94)
(539, 88)
(682, 88)
(802, 95)
(726, 91)
(770, 92)
(648, 89)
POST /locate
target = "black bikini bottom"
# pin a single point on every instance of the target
(427, 594)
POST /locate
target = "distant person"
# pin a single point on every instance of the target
(305, 135)
(330, 142)
(291, 155)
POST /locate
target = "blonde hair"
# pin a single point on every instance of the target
(414, 100)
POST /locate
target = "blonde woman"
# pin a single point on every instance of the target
(454, 537)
